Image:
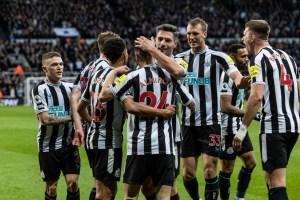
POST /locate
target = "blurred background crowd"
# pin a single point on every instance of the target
(27, 29)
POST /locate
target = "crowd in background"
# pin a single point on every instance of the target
(28, 19)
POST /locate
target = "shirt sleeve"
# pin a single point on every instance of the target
(39, 100)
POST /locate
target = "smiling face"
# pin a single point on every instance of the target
(165, 42)
(196, 37)
(53, 67)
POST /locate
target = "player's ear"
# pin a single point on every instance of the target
(44, 69)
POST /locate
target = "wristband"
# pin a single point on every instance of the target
(241, 132)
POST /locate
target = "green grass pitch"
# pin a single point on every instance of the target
(20, 177)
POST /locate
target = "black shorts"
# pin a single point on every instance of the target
(90, 153)
(107, 164)
(201, 139)
(276, 148)
(66, 159)
(177, 159)
(227, 152)
(159, 167)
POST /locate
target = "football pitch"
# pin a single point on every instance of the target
(19, 168)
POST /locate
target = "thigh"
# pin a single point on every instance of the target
(190, 146)
(131, 191)
(70, 160)
(49, 166)
(108, 164)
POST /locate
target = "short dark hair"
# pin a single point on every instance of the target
(144, 55)
(234, 48)
(169, 28)
(49, 55)
(259, 27)
(113, 49)
(102, 37)
(198, 20)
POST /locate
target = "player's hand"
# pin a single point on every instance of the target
(239, 137)
(244, 83)
(257, 117)
(169, 111)
(78, 139)
(122, 70)
(144, 43)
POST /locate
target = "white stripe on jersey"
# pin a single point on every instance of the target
(203, 82)
(54, 99)
(280, 105)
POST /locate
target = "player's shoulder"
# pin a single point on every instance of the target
(182, 55)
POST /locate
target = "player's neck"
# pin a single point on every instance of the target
(258, 46)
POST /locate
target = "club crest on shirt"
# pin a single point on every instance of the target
(230, 60)
(254, 71)
(183, 63)
(121, 79)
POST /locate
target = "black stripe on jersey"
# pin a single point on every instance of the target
(160, 129)
(46, 95)
(233, 102)
(77, 79)
(190, 69)
(147, 140)
(109, 122)
(202, 90)
(67, 108)
(214, 87)
(292, 94)
(55, 127)
(136, 97)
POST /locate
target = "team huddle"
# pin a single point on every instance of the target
(209, 87)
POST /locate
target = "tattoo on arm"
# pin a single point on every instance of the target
(54, 120)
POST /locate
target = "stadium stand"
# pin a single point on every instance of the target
(27, 28)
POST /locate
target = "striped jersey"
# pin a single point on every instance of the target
(203, 82)
(277, 71)
(155, 87)
(54, 99)
(85, 74)
(231, 124)
(108, 117)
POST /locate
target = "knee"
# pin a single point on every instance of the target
(51, 189)
(72, 185)
(209, 172)
(251, 164)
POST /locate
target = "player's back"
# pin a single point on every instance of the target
(280, 105)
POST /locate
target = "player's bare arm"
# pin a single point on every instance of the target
(253, 105)
(229, 109)
(79, 135)
(83, 112)
(168, 63)
(241, 82)
(47, 119)
(106, 94)
(141, 109)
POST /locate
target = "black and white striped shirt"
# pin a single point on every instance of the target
(85, 74)
(54, 99)
(231, 124)
(108, 117)
(277, 71)
(203, 82)
(153, 86)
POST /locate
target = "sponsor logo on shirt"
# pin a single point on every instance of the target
(192, 79)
